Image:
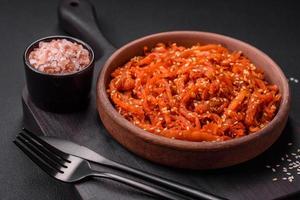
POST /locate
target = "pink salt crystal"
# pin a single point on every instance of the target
(59, 56)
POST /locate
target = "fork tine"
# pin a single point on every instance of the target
(43, 150)
(38, 153)
(35, 158)
(48, 146)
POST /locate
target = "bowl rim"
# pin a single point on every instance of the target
(109, 109)
(69, 38)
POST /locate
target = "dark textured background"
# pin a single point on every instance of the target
(272, 26)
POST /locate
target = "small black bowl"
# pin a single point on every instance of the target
(59, 92)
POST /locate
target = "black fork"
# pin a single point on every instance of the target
(69, 168)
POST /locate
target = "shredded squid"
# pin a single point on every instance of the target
(201, 93)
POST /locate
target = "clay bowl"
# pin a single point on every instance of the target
(186, 154)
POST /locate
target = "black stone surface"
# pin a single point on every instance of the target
(272, 26)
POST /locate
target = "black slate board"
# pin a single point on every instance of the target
(250, 180)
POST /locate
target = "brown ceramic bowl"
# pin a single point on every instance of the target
(186, 154)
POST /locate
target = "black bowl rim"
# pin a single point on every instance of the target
(85, 45)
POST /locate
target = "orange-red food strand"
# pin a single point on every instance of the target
(201, 93)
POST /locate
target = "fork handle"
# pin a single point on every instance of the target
(146, 188)
(176, 187)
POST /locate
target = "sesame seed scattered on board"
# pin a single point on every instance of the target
(294, 80)
(287, 168)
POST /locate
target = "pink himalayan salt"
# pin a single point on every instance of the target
(59, 56)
